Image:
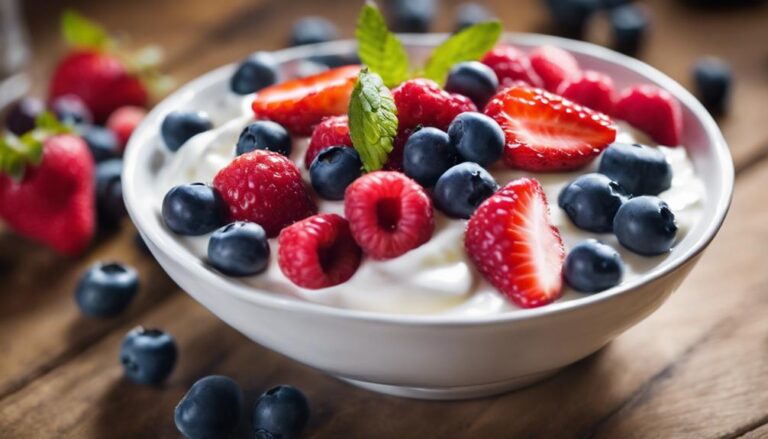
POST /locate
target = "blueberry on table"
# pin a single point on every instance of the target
(462, 188)
(333, 170)
(193, 209)
(428, 153)
(712, 77)
(311, 30)
(645, 225)
(591, 202)
(477, 138)
(210, 409)
(110, 207)
(23, 114)
(148, 355)
(639, 169)
(255, 72)
(180, 126)
(629, 24)
(474, 80)
(592, 266)
(101, 141)
(70, 109)
(468, 14)
(239, 249)
(106, 289)
(571, 16)
(414, 16)
(281, 412)
(264, 134)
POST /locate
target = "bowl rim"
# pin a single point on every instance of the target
(162, 242)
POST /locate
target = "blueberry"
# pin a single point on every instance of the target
(336, 60)
(148, 355)
(477, 138)
(427, 154)
(264, 134)
(640, 169)
(629, 24)
(333, 170)
(239, 249)
(180, 126)
(571, 16)
(211, 408)
(70, 109)
(591, 202)
(462, 188)
(101, 141)
(22, 116)
(106, 289)
(109, 192)
(469, 14)
(645, 225)
(474, 80)
(592, 266)
(610, 4)
(311, 30)
(413, 16)
(713, 82)
(254, 73)
(282, 412)
(193, 209)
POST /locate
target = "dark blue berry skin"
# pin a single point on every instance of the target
(468, 14)
(311, 30)
(639, 169)
(629, 24)
(106, 289)
(427, 154)
(414, 16)
(336, 60)
(193, 209)
(211, 408)
(477, 138)
(180, 126)
(571, 16)
(109, 192)
(23, 114)
(281, 411)
(254, 73)
(333, 170)
(592, 266)
(239, 249)
(591, 202)
(101, 141)
(462, 188)
(474, 80)
(71, 110)
(264, 134)
(148, 355)
(713, 77)
(610, 4)
(645, 225)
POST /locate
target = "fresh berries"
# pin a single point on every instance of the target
(101, 141)
(265, 188)
(474, 80)
(545, 132)
(395, 159)
(148, 355)
(554, 66)
(264, 134)
(255, 72)
(124, 121)
(110, 208)
(461, 189)
(281, 412)
(511, 66)
(629, 24)
(312, 30)
(423, 102)
(22, 115)
(318, 252)
(639, 169)
(592, 266)
(653, 111)
(645, 225)
(389, 214)
(211, 408)
(332, 131)
(106, 289)
(180, 126)
(239, 249)
(70, 109)
(428, 153)
(712, 77)
(591, 202)
(513, 245)
(591, 89)
(413, 16)
(333, 170)
(477, 138)
(194, 209)
(299, 104)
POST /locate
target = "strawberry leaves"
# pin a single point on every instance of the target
(372, 120)
(16, 153)
(81, 32)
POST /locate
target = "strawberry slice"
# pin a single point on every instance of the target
(300, 104)
(554, 65)
(512, 244)
(545, 132)
(653, 111)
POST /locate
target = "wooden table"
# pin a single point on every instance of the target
(697, 368)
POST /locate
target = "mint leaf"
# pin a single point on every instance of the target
(469, 44)
(82, 32)
(372, 120)
(378, 48)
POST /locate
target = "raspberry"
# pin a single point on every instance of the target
(265, 188)
(395, 159)
(591, 89)
(423, 102)
(511, 66)
(389, 214)
(554, 65)
(318, 252)
(332, 131)
(124, 120)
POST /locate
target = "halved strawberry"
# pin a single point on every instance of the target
(300, 104)
(554, 65)
(653, 111)
(545, 132)
(512, 244)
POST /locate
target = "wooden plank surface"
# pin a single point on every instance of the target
(696, 368)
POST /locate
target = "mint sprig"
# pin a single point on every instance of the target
(469, 44)
(380, 49)
(16, 153)
(81, 32)
(372, 120)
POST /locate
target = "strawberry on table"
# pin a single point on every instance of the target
(511, 65)
(653, 111)
(554, 65)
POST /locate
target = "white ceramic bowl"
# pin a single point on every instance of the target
(434, 357)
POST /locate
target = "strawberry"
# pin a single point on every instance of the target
(554, 65)
(423, 102)
(300, 104)
(124, 120)
(514, 247)
(545, 132)
(511, 66)
(332, 131)
(653, 111)
(591, 89)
